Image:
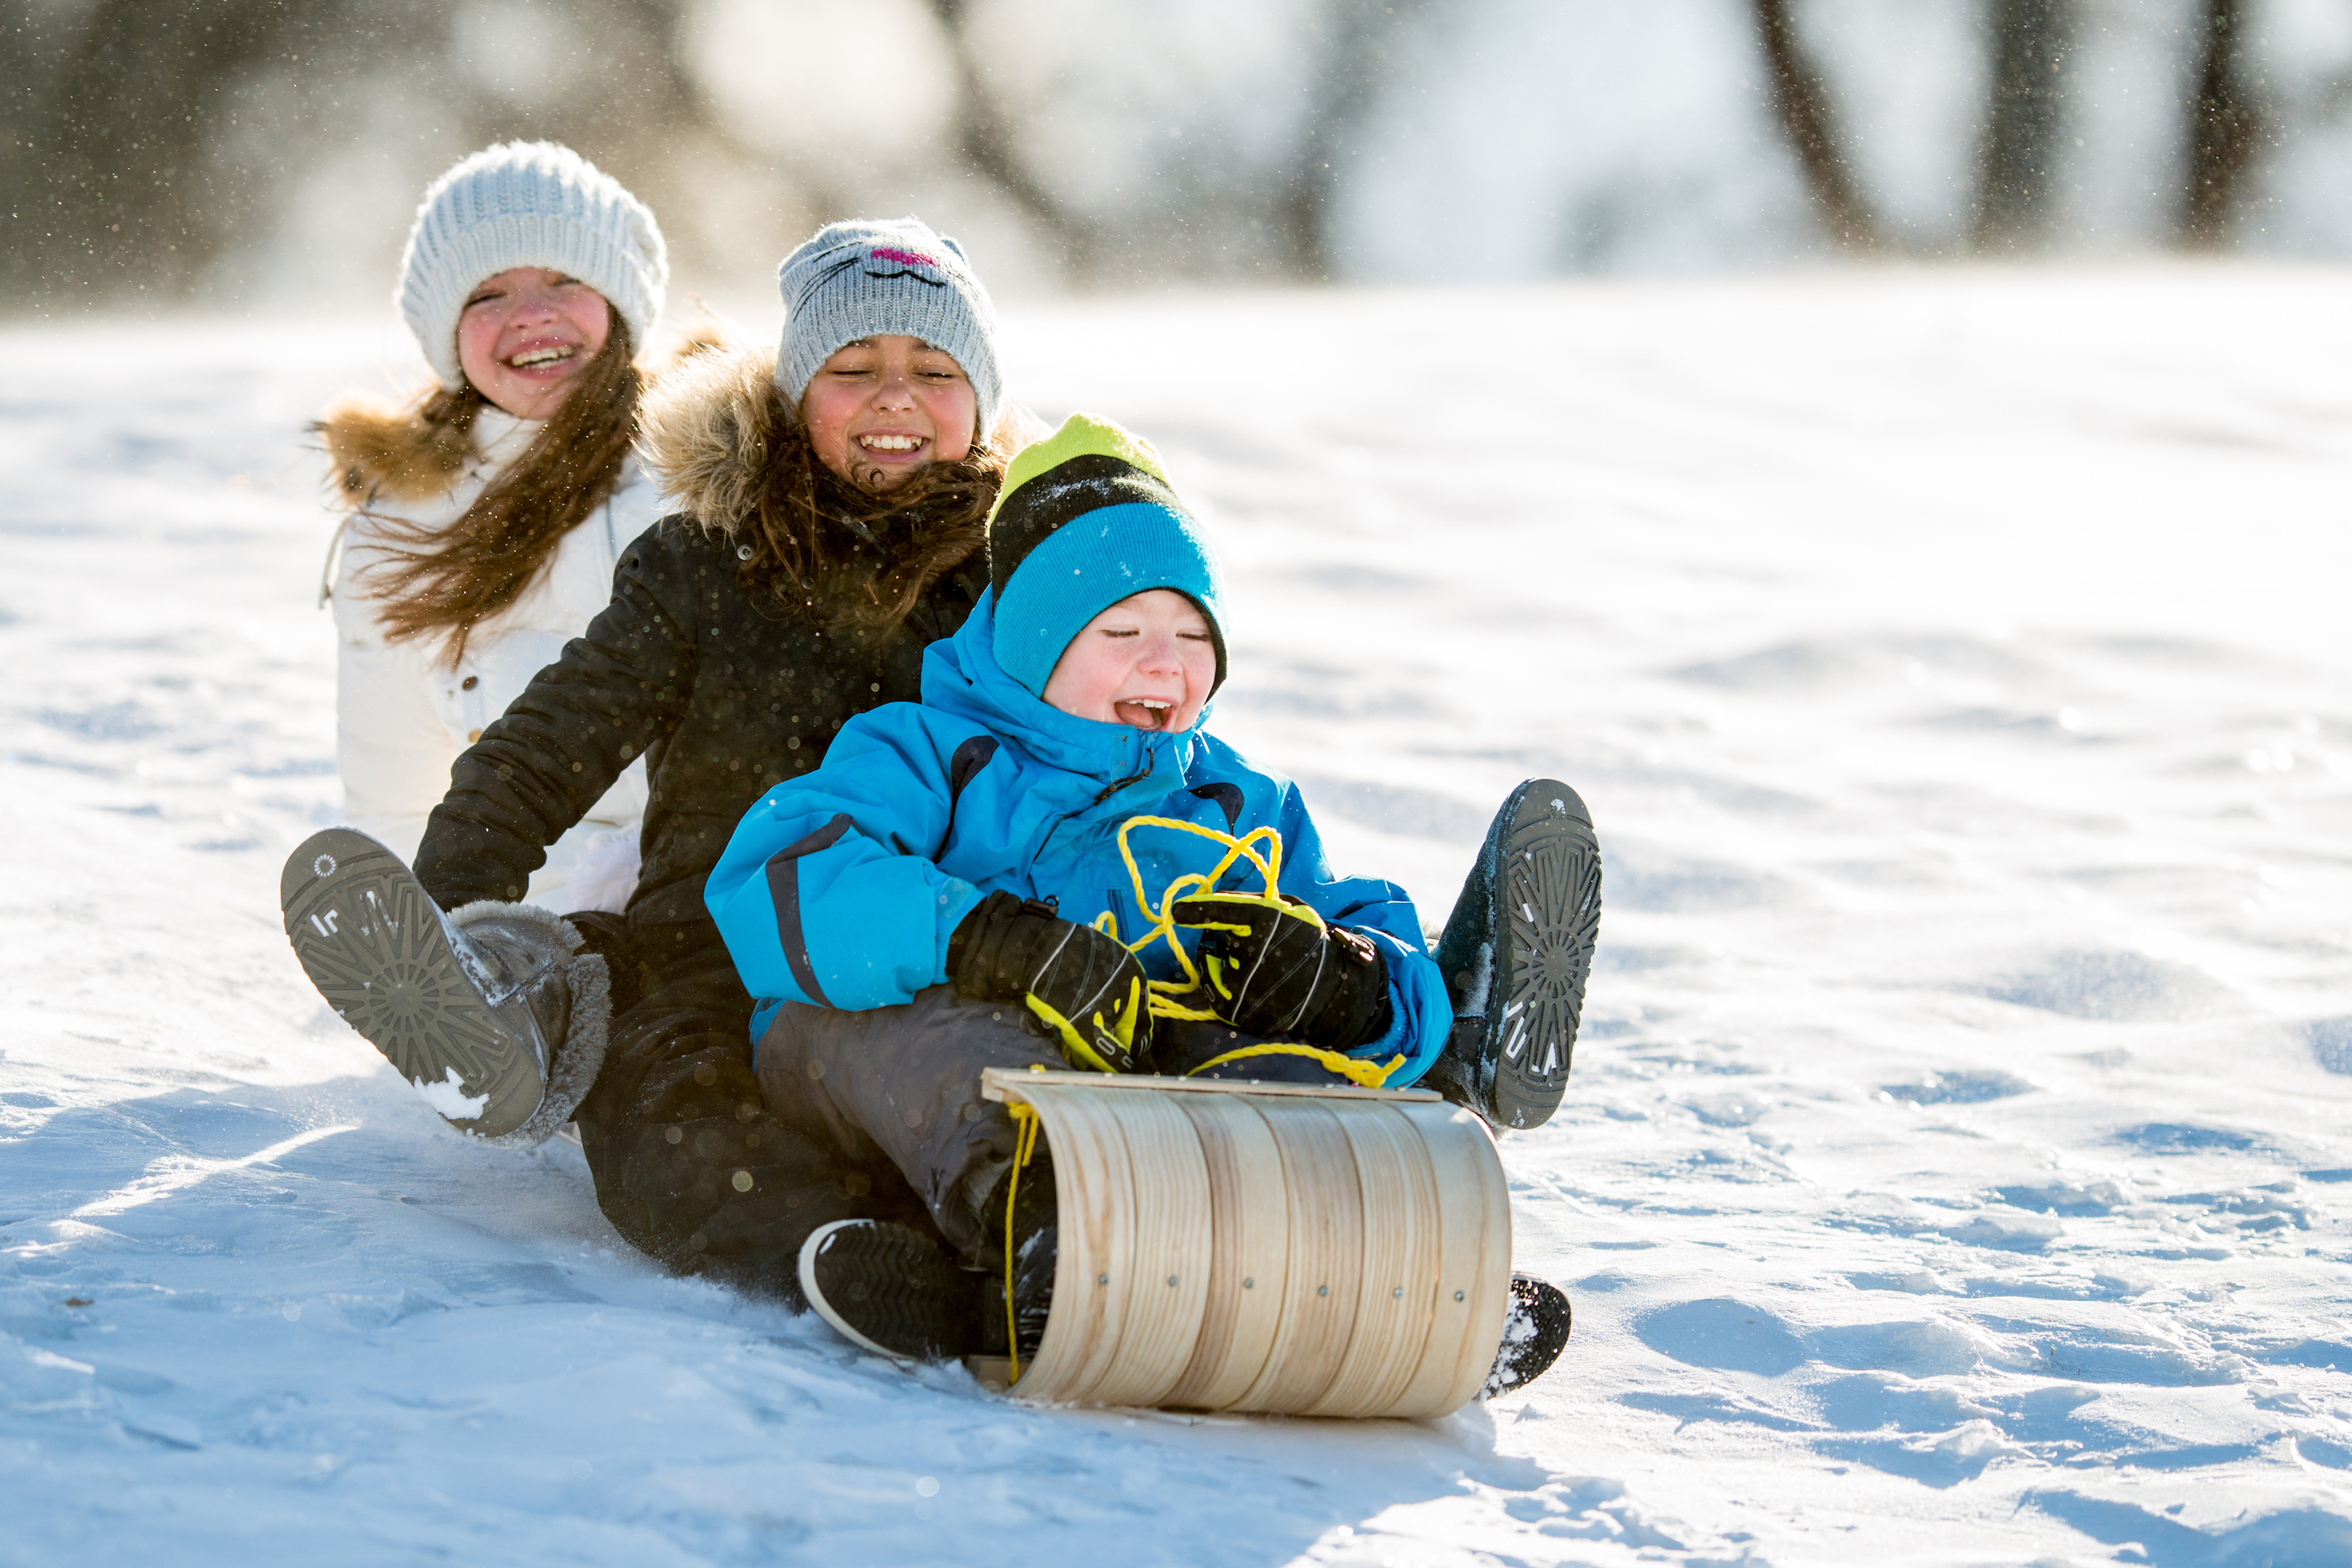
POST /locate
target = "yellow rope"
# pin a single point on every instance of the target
(1162, 1000)
(1026, 1126)
(1354, 1069)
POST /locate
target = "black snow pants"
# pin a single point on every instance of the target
(718, 1161)
(692, 1165)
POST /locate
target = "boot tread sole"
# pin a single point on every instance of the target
(1550, 895)
(889, 1289)
(372, 943)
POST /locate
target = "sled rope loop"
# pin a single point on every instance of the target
(1025, 1128)
(1261, 848)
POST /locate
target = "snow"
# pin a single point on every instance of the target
(1955, 1169)
(449, 1098)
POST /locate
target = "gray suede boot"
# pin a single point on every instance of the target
(492, 1012)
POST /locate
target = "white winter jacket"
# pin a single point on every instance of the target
(401, 714)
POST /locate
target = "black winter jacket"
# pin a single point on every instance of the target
(726, 692)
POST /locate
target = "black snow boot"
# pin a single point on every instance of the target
(1535, 1330)
(1033, 1239)
(1515, 954)
(896, 1292)
(493, 1012)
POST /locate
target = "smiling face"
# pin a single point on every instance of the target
(1147, 661)
(525, 333)
(884, 406)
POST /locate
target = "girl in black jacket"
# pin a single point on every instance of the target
(830, 500)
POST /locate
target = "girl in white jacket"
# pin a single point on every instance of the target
(486, 515)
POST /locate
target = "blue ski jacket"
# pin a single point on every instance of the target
(844, 886)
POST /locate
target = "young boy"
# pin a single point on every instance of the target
(969, 882)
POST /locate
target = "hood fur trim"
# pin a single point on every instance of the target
(703, 433)
(383, 449)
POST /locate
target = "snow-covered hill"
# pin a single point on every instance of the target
(1956, 1166)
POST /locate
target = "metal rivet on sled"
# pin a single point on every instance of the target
(324, 865)
(1171, 1278)
(1398, 1292)
(1102, 1279)
(1458, 1295)
(1249, 1284)
(1322, 1290)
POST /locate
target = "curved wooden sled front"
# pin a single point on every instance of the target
(1267, 1247)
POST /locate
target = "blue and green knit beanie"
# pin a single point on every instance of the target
(1087, 518)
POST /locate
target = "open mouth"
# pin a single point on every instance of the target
(544, 356)
(892, 445)
(1145, 713)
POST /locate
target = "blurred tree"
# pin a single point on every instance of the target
(116, 114)
(1357, 52)
(1274, 218)
(2018, 149)
(1802, 106)
(141, 141)
(2224, 128)
(984, 137)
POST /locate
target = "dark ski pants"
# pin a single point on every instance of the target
(895, 1092)
(691, 1165)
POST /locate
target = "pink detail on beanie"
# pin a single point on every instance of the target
(904, 257)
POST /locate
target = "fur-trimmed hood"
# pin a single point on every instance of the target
(703, 431)
(387, 450)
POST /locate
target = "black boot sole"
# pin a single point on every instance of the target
(893, 1291)
(1538, 890)
(1535, 1332)
(374, 945)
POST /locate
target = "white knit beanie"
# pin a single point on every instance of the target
(527, 203)
(858, 279)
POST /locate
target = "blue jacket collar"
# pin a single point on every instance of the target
(961, 677)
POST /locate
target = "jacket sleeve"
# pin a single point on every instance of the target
(1421, 1009)
(619, 689)
(829, 891)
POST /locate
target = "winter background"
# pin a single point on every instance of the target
(1810, 444)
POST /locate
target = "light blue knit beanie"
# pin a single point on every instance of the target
(874, 275)
(527, 203)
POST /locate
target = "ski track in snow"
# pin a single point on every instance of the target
(1956, 1167)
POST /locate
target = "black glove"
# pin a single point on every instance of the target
(1084, 988)
(1274, 971)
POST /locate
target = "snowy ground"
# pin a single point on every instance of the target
(1955, 1169)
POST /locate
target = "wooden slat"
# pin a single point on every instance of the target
(1251, 1221)
(1474, 1262)
(1400, 1220)
(1160, 1324)
(995, 1081)
(1094, 1193)
(1325, 1257)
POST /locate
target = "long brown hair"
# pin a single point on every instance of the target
(849, 557)
(444, 581)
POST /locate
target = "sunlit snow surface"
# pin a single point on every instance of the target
(1955, 1169)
